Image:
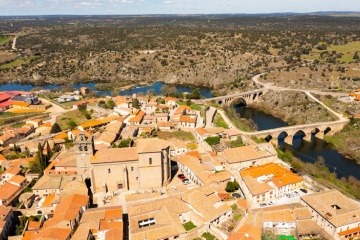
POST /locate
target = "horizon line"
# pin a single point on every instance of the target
(180, 14)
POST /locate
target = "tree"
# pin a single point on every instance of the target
(232, 186)
(111, 104)
(48, 150)
(72, 124)
(356, 55)
(55, 128)
(213, 140)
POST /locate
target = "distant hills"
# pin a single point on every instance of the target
(280, 14)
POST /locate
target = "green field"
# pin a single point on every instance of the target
(4, 39)
(18, 62)
(348, 51)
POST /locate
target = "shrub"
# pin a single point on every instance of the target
(232, 186)
(213, 140)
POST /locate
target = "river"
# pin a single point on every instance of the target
(156, 87)
(304, 150)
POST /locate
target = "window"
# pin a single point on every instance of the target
(109, 170)
(132, 169)
(80, 148)
(150, 161)
(137, 178)
(85, 148)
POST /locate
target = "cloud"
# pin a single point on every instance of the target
(168, 2)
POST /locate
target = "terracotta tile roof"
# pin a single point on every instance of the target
(346, 212)
(233, 132)
(52, 233)
(203, 204)
(170, 99)
(7, 190)
(34, 225)
(165, 213)
(17, 179)
(48, 201)
(4, 96)
(194, 154)
(47, 124)
(309, 227)
(2, 158)
(165, 124)
(107, 219)
(255, 187)
(139, 115)
(22, 104)
(12, 170)
(185, 118)
(278, 175)
(201, 131)
(242, 203)
(62, 135)
(98, 122)
(246, 233)
(68, 209)
(241, 154)
(151, 145)
(115, 155)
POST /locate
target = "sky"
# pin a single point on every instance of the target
(130, 7)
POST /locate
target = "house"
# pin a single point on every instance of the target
(26, 130)
(149, 119)
(159, 219)
(11, 189)
(20, 105)
(109, 136)
(165, 126)
(122, 101)
(43, 129)
(232, 133)
(7, 138)
(137, 117)
(9, 173)
(161, 117)
(334, 212)
(52, 184)
(178, 147)
(6, 221)
(205, 202)
(97, 123)
(187, 121)
(251, 155)
(4, 97)
(104, 223)
(65, 220)
(130, 131)
(36, 122)
(6, 105)
(123, 111)
(170, 101)
(268, 182)
(198, 171)
(202, 133)
(26, 97)
(78, 104)
(246, 232)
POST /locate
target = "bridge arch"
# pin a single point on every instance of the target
(240, 101)
(220, 102)
(284, 137)
(268, 138)
(327, 130)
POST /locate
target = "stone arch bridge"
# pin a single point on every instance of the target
(245, 97)
(306, 131)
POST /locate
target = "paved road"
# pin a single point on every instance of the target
(55, 110)
(210, 114)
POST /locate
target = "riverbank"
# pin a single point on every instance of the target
(294, 108)
(318, 170)
(347, 142)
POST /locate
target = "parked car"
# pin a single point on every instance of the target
(303, 190)
(236, 195)
(185, 181)
(263, 204)
(272, 203)
(181, 176)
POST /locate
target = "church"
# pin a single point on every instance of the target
(146, 165)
